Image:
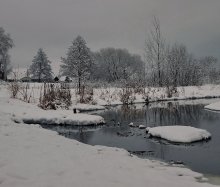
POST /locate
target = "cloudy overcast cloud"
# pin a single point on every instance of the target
(53, 24)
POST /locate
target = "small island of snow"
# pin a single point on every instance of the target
(213, 106)
(54, 118)
(86, 107)
(179, 134)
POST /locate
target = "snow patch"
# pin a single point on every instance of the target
(179, 134)
(87, 107)
(142, 127)
(74, 119)
(213, 106)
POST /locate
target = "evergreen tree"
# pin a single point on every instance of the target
(78, 62)
(40, 68)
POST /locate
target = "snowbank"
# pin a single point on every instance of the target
(179, 134)
(54, 118)
(87, 107)
(213, 106)
(33, 156)
(30, 113)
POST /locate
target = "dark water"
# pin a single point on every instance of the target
(203, 157)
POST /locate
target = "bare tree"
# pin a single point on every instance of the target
(114, 65)
(154, 51)
(209, 69)
(176, 59)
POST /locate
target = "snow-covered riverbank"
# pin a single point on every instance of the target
(33, 156)
(111, 95)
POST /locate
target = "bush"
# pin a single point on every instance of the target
(86, 95)
(14, 88)
(25, 94)
(55, 96)
(171, 91)
(126, 96)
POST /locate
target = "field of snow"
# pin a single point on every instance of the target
(179, 134)
(33, 156)
(213, 106)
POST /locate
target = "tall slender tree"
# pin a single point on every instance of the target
(40, 69)
(155, 51)
(78, 62)
(6, 43)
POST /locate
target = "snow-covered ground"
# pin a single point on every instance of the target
(213, 106)
(179, 134)
(33, 156)
(28, 113)
(111, 96)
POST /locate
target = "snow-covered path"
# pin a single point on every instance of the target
(36, 157)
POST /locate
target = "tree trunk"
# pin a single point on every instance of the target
(79, 84)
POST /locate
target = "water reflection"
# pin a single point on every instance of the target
(169, 113)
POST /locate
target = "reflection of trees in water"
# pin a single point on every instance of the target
(127, 113)
(174, 114)
(169, 113)
(210, 115)
(131, 112)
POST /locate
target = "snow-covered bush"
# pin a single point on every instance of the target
(86, 95)
(171, 91)
(110, 95)
(127, 96)
(55, 96)
(14, 88)
(25, 94)
(146, 97)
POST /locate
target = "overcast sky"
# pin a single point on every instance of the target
(53, 24)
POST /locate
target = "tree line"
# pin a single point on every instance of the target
(169, 65)
(172, 64)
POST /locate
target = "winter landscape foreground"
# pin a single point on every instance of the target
(33, 156)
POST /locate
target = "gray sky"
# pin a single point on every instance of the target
(53, 24)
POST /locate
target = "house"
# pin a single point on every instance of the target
(25, 79)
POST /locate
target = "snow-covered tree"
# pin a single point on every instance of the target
(40, 69)
(6, 43)
(78, 62)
